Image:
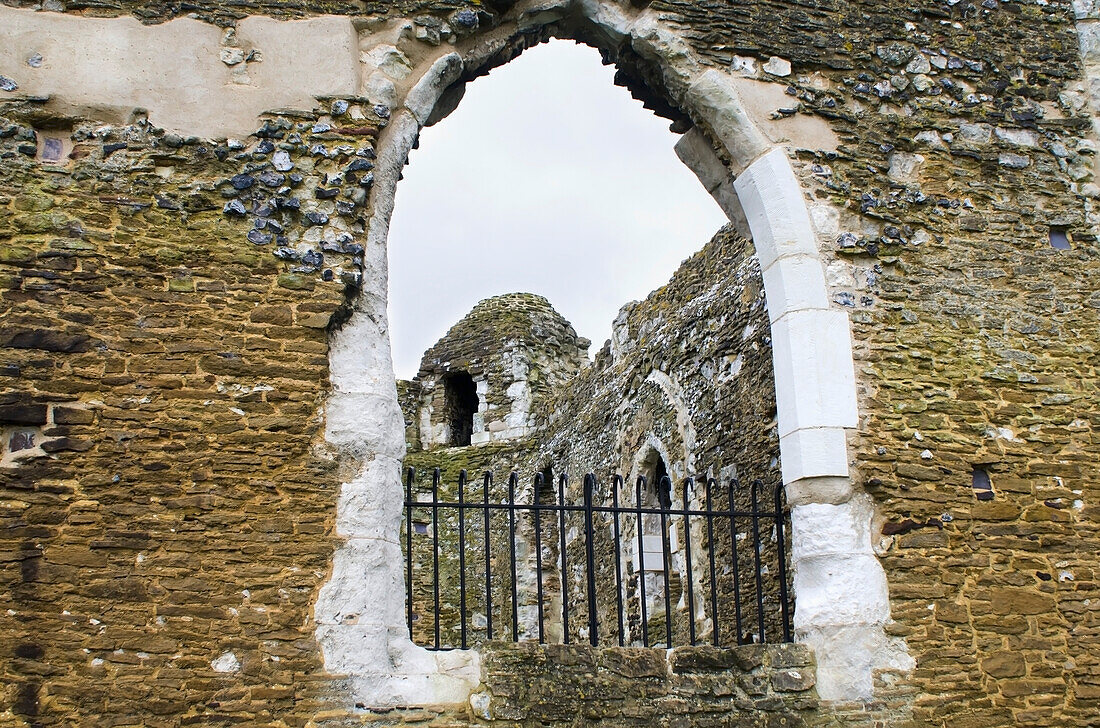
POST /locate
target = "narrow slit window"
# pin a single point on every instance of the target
(982, 485)
(461, 405)
(1059, 237)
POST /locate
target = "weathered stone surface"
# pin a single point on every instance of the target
(973, 336)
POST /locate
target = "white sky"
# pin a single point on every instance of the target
(547, 179)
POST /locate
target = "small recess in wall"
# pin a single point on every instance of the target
(1059, 237)
(54, 146)
(982, 485)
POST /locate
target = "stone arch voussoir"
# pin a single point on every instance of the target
(842, 604)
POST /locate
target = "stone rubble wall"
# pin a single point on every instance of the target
(517, 348)
(938, 146)
(162, 553)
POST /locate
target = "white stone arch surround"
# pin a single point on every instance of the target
(842, 604)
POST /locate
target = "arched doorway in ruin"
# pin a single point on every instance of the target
(839, 584)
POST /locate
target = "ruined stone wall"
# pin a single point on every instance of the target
(939, 144)
(517, 349)
(689, 372)
(164, 541)
(687, 375)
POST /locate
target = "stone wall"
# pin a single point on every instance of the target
(753, 685)
(942, 147)
(164, 541)
(517, 349)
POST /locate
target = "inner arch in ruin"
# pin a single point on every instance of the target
(842, 605)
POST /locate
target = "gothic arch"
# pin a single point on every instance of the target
(841, 592)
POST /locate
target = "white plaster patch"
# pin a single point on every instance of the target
(107, 67)
(226, 662)
(841, 589)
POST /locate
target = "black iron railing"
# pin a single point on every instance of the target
(498, 566)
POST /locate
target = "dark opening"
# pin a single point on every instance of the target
(658, 482)
(548, 491)
(461, 404)
(1059, 237)
(980, 482)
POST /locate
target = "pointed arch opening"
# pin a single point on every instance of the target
(840, 586)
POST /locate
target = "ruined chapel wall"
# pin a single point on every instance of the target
(968, 327)
(517, 349)
(164, 551)
(688, 374)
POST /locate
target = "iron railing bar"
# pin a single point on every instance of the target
(666, 557)
(781, 548)
(711, 547)
(409, 548)
(538, 557)
(462, 557)
(563, 582)
(435, 550)
(513, 479)
(688, 482)
(640, 483)
(616, 482)
(754, 494)
(736, 562)
(487, 481)
(590, 555)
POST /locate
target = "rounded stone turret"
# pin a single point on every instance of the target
(481, 382)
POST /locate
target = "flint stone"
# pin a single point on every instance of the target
(281, 161)
(272, 179)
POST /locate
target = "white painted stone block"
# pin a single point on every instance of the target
(360, 421)
(814, 372)
(422, 97)
(794, 283)
(370, 506)
(821, 529)
(837, 591)
(848, 657)
(814, 453)
(370, 647)
(365, 586)
(775, 209)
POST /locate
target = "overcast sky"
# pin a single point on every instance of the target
(548, 179)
